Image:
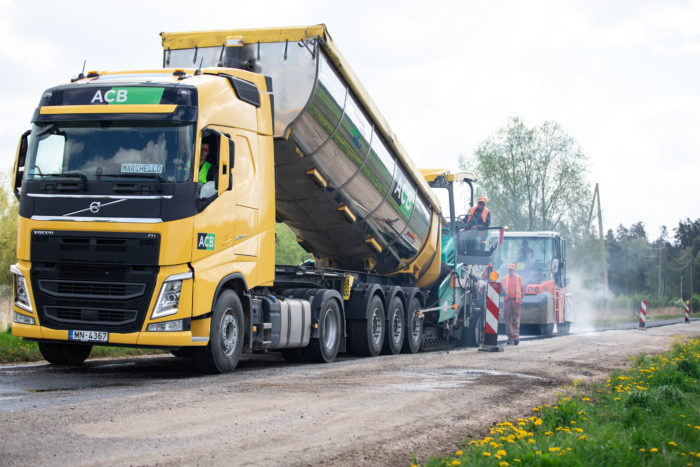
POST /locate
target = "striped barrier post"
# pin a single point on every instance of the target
(491, 322)
(643, 315)
(687, 311)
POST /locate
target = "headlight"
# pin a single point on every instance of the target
(20, 290)
(167, 326)
(169, 297)
(23, 319)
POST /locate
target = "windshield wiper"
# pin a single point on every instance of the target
(155, 177)
(82, 177)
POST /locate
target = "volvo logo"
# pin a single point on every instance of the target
(94, 207)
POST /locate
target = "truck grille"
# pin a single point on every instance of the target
(97, 316)
(85, 289)
(98, 281)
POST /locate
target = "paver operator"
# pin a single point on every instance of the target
(512, 285)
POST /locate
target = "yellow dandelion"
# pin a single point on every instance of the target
(642, 450)
(539, 453)
(578, 430)
(582, 437)
(538, 422)
(503, 464)
(501, 452)
(456, 462)
(486, 454)
(458, 453)
(531, 441)
(554, 449)
(586, 399)
(672, 443)
(653, 450)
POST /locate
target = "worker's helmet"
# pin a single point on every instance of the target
(511, 266)
(482, 198)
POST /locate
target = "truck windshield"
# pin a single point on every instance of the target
(527, 253)
(97, 150)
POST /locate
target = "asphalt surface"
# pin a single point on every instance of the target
(154, 410)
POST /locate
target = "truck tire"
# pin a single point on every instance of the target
(563, 329)
(414, 328)
(547, 329)
(324, 349)
(64, 354)
(226, 336)
(395, 327)
(475, 331)
(367, 335)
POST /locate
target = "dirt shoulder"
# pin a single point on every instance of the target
(352, 412)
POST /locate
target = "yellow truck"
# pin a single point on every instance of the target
(148, 202)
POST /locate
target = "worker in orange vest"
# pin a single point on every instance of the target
(512, 286)
(479, 217)
(478, 220)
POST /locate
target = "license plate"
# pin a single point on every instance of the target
(88, 336)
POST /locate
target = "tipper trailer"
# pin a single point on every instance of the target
(119, 243)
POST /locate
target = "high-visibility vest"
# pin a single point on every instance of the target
(484, 214)
(203, 172)
(513, 285)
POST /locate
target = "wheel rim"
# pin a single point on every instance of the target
(376, 326)
(229, 332)
(330, 328)
(397, 326)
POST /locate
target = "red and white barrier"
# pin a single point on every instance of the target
(493, 293)
(643, 315)
(687, 311)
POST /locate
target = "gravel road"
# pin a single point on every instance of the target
(152, 411)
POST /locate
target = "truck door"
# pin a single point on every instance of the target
(247, 196)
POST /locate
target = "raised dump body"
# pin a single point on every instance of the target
(375, 211)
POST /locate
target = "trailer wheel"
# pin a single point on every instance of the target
(64, 354)
(414, 328)
(563, 328)
(547, 329)
(324, 349)
(395, 327)
(367, 335)
(226, 338)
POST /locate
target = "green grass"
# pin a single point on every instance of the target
(14, 349)
(649, 415)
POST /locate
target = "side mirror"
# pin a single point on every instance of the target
(555, 264)
(20, 159)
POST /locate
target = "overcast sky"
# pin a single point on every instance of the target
(622, 78)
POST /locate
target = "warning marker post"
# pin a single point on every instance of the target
(491, 323)
(643, 315)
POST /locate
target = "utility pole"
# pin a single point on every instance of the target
(658, 296)
(596, 198)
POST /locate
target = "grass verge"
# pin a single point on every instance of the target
(14, 349)
(649, 415)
